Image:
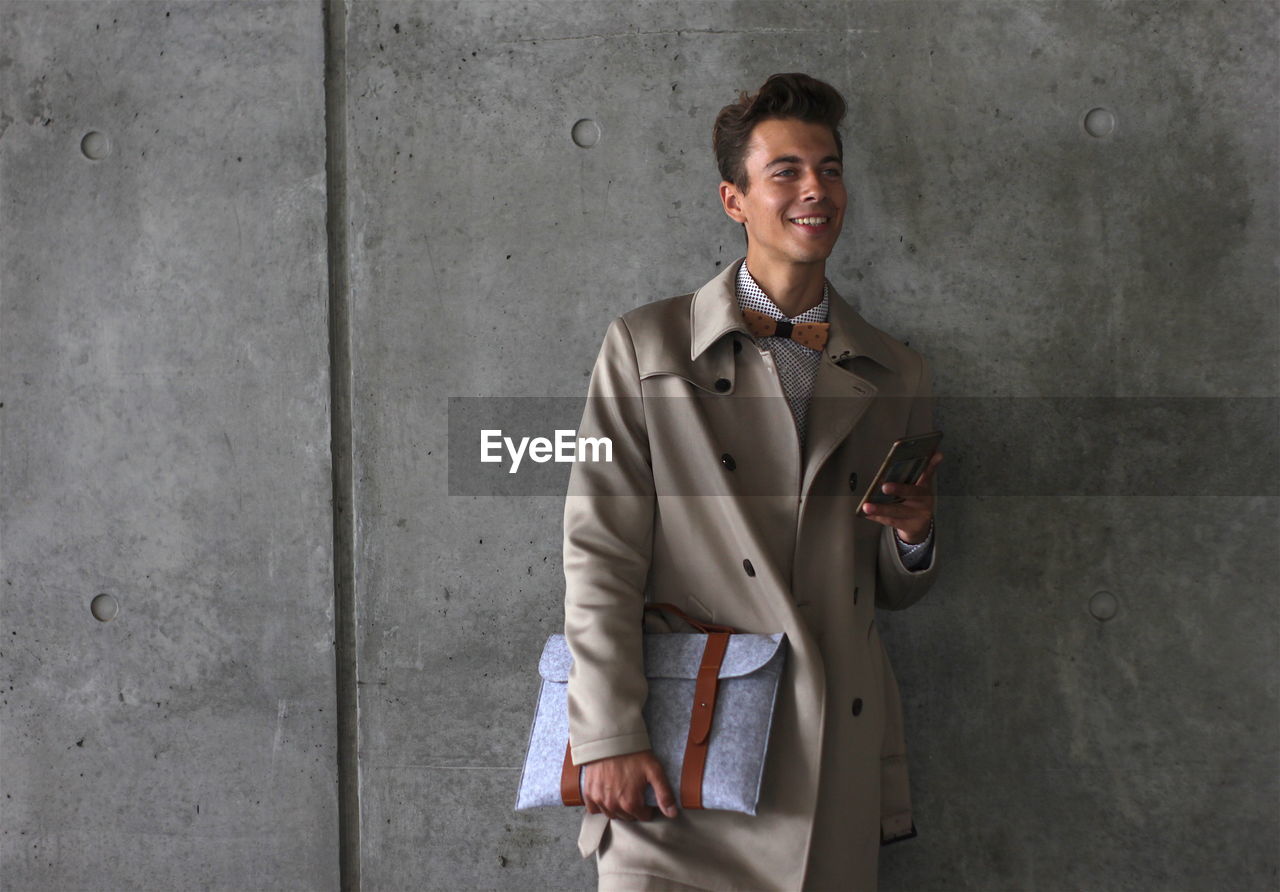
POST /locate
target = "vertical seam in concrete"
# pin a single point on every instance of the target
(344, 594)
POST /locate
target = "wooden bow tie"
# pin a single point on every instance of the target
(807, 334)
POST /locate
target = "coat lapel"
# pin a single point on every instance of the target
(840, 396)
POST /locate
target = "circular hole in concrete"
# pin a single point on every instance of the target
(104, 608)
(1099, 122)
(1103, 606)
(585, 133)
(95, 145)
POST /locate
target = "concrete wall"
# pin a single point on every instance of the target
(165, 441)
(166, 401)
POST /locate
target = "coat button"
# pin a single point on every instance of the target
(728, 462)
(853, 481)
(857, 705)
(737, 346)
(722, 384)
(746, 565)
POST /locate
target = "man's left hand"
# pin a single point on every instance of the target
(912, 516)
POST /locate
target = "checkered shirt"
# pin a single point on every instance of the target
(797, 365)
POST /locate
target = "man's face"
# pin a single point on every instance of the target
(793, 176)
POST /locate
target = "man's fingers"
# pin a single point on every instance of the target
(626, 811)
(907, 492)
(617, 786)
(621, 806)
(608, 809)
(901, 511)
(639, 810)
(891, 522)
(662, 790)
(920, 489)
(925, 477)
(883, 521)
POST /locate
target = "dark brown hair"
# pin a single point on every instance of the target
(782, 96)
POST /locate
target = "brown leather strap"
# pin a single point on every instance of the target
(570, 783)
(704, 709)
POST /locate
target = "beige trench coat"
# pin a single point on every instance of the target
(711, 503)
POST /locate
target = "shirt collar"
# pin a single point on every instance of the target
(714, 312)
(752, 297)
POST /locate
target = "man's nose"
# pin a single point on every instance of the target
(812, 187)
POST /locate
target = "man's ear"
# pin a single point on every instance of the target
(731, 201)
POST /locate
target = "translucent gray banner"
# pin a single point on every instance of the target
(993, 446)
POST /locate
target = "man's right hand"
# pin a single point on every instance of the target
(616, 785)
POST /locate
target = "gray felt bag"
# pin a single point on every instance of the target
(709, 711)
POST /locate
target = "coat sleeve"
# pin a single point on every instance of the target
(608, 538)
(896, 586)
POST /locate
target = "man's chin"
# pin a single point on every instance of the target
(804, 254)
(813, 255)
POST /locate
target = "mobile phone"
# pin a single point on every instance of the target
(905, 462)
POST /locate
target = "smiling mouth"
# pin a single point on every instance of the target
(810, 222)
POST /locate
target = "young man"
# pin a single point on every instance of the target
(737, 456)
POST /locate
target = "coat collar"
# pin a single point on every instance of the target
(714, 312)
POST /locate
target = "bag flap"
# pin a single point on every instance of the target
(674, 655)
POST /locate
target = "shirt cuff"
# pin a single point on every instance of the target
(916, 555)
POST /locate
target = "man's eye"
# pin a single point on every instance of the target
(785, 171)
(834, 171)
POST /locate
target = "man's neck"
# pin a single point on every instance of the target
(793, 287)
